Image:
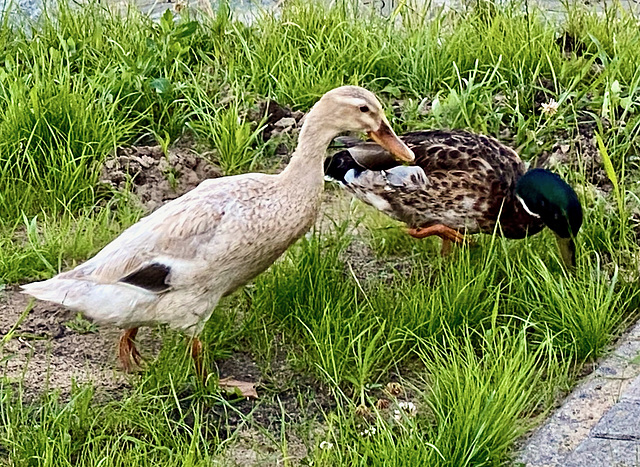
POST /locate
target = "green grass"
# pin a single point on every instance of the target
(474, 407)
(482, 342)
(44, 244)
(148, 428)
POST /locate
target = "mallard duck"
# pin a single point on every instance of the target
(461, 183)
(174, 265)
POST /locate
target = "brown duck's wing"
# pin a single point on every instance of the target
(461, 150)
(464, 200)
(471, 180)
(442, 150)
(475, 174)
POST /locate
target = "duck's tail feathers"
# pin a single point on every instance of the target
(102, 302)
(52, 290)
(337, 166)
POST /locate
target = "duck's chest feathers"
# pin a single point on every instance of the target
(267, 229)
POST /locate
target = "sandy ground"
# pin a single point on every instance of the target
(45, 353)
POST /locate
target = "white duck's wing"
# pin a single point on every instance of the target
(164, 244)
(146, 253)
(163, 252)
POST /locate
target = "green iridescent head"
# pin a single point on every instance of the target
(545, 195)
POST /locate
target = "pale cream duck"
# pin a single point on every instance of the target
(174, 265)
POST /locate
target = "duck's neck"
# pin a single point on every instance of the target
(306, 168)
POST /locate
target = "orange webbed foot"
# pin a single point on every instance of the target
(447, 234)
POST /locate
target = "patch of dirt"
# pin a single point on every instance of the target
(290, 401)
(361, 261)
(154, 177)
(280, 119)
(46, 354)
(254, 448)
(280, 132)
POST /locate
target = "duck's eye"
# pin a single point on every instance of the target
(364, 108)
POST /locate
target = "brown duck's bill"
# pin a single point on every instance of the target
(386, 138)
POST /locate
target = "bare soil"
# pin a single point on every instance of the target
(155, 177)
(46, 354)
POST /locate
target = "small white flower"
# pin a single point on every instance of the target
(405, 408)
(326, 445)
(368, 431)
(409, 407)
(550, 108)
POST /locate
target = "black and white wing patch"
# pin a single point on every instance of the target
(411, 177)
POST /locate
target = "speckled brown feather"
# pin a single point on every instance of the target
(471, 183)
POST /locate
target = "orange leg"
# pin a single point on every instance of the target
(447, 234)
(127, 350)
(446, 247)
(196, 354)
(440, 230)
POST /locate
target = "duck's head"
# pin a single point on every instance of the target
(352, 108)
(546, 196)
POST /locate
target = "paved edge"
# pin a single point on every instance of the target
(568, 436)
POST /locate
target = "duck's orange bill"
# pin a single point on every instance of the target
(386, 138)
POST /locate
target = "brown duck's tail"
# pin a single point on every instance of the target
(337, 166)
